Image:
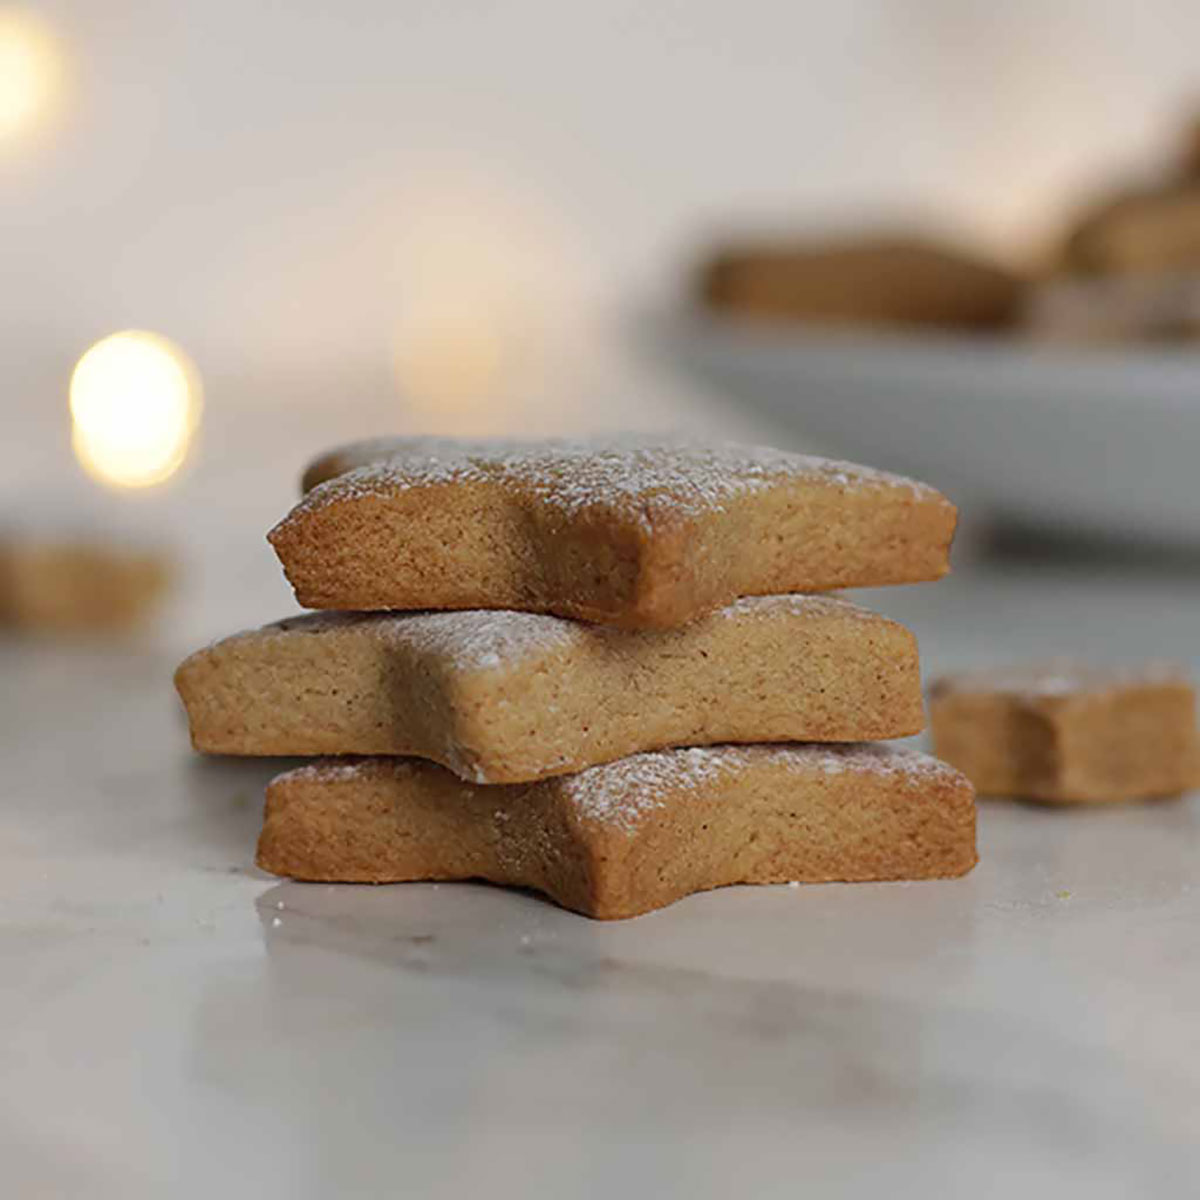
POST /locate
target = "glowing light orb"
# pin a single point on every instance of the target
(481, 272)
(30, 72)
(135, 405)
(452, 362)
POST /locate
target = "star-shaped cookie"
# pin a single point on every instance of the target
(622, 839)
(509, 697)
(628, 532)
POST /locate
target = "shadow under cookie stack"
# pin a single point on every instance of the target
(601, 670)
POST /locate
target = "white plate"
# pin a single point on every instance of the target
(1105, 440)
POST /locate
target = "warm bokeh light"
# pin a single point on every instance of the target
(481, 273)
(135, 404)
(30, 72)
(452, 360)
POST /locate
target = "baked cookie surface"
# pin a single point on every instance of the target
(1066, 732)
(502, 696)
(630, 532)
(625, 838)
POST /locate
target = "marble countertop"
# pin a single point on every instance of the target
(175, 1023)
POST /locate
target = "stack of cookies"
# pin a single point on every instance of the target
(601, 670)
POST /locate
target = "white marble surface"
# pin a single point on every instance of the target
(174, 1023)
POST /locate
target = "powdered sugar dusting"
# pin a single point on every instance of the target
(875, 758)
(339, 770)
(480, 639)
(646, 475)
(1058, 677)
(491, 639)
(798, 604)
(622, 793)
(473, 639)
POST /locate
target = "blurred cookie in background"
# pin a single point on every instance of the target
(1124, 271)
(1152, 230)
(79, 583)
(878, 280)
(1148, 226)
(1188, 167)
(1144, 307)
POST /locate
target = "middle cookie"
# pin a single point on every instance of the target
(510, 697)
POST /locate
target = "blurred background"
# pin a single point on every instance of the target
(514, 218)
(956, 238)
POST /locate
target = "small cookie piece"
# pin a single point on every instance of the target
(78, 584)
(872, 281)
(633, 533)
(1064, 732)
(505, 697)
(623, 839)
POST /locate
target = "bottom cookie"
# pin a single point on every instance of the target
(631, 836)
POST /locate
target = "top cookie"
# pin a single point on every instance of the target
(628, 532)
